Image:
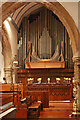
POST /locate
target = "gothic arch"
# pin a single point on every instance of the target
(58, 10)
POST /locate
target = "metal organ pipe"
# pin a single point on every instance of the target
(44, 30)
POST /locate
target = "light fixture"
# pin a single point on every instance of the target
(58, 79)
(39, 79)
(29, 79)
(48, 80)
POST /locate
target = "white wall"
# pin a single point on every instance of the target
(12, 36)
(1, 64)
(72, 9)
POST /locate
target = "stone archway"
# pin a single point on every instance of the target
(58, 10)
(66, 19)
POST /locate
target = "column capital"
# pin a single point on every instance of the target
(76, 60)
(7, 69)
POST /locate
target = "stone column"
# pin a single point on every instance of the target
(8, 75)
(76, 90)
(11, 75)
(15, 76)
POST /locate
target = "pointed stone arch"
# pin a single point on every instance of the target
(68, 22)
(58, 10)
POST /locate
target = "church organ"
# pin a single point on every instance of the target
(45, 57)
(44, 31)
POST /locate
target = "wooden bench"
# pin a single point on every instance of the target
(33, 107)
(10, 113)
(23, 106)
(42, 96)
(10, 95)
(7, 108)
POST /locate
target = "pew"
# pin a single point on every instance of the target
(34, 107)
(13, 105)
(21, 109)
(10, 94)
(10, 113)
(7, 108)
(30, 106)
(42, 96)
(34, 110)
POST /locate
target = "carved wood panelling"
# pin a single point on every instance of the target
(55, 92)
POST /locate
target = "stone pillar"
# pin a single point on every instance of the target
(8, 75)
(76, 90)
(15, 75)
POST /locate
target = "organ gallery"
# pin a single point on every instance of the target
(45, 39)
(41, 62)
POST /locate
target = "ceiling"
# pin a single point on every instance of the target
(25, 10)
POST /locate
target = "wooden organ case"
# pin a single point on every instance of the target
(56, 84)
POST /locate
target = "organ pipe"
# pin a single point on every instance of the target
(40, 24)
(36, 33)
(45, 18)
(48, 20)
(44, 30)
(50, 23)
(28, 30)
(25, 37)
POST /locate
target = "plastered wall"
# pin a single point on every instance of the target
(12, 36)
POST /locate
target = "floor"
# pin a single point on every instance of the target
(57, 110)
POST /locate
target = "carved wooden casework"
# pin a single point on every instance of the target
(60, 84)
(56, 92)
(47, 64)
